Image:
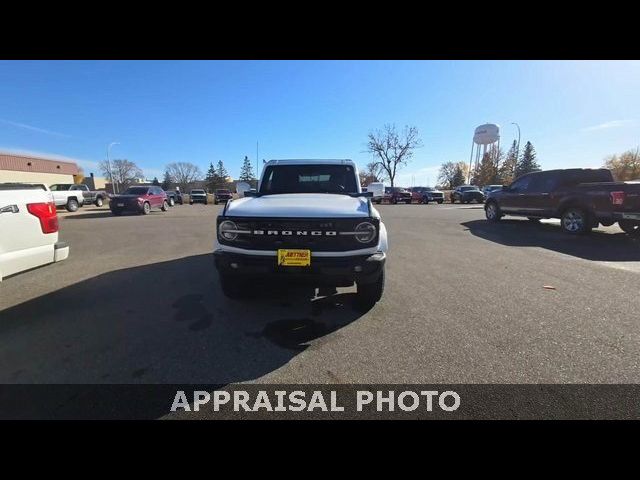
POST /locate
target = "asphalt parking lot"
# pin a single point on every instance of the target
(138, 301)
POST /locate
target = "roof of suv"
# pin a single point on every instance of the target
(310, 162)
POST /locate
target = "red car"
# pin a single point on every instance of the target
(397, 195)
(139, 200)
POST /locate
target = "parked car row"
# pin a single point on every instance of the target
(395, 195)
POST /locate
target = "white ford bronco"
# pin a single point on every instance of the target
(308, 221)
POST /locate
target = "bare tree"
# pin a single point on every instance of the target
(373, 172)
(626, 166)
(183, 173)
(122, 174)
(393, 150)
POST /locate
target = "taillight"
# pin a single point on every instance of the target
(46, 213)
(617, 198)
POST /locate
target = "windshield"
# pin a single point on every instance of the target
(466, 189)
(308, 179)
(222, 191)
(58, 187)
(197, 192)
(136, 191)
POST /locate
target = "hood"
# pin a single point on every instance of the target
(300, 205)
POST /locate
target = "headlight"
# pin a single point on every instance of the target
(365, 232)
(228, 230)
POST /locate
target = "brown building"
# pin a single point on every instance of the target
(26, 168)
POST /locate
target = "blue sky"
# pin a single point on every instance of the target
(575, 113)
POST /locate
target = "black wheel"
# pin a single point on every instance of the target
(492, 212)
(453, 200)
(165, 206)
(206, 202)
(215, 202)
(575, 221)
(231, 287)
(533, 219)
(190, 202)
(172, 201)
(99, 202)
(425, 201)
(630, 227)
(72, 205)
(440, 202)
(146, 208)
(394, 201)
(369, 293)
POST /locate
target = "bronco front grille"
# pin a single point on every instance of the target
(320, 235)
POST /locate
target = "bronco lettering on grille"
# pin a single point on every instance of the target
(314, 233)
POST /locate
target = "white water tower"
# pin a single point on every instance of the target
(486, 138)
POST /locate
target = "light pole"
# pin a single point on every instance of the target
(113, 184)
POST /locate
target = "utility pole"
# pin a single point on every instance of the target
(113, 184)
(257, 168)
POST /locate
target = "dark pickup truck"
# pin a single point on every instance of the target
(580, 198)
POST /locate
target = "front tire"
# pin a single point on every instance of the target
(146, 208)
(172, 202)
(575, 221)
(165, 206)
(440, 202)
(72, 205)
(630, 227)
(370, 293)
(492, 212)
(99, 202)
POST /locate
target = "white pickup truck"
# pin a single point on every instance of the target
(28, 228)
(68, 195)
(308, 221)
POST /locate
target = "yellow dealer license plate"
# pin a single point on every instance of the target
(294, 258)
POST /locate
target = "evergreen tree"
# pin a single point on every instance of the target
(527, 162)
(166, 182)
(487, 172)
(508, 168)
(212, 180)
(155, 182)
(221, 172)
(246, 172)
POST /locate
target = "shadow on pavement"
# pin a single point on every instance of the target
(165, 323)
(115, 327)
(597, 246)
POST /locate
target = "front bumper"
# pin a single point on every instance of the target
(198, 199)
(332, 271)
(476, 197)
(125, 206)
